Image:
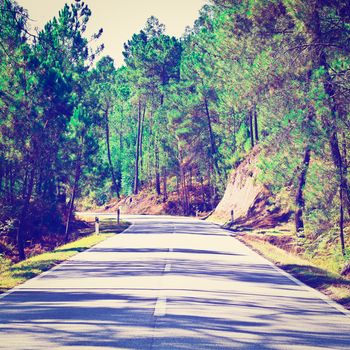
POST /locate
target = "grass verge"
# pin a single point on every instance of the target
(13, 275)
(314, 275)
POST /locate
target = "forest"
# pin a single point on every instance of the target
(178, 116)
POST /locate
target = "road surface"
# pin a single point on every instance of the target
(169, 283)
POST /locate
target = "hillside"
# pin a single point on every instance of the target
(148, 202)
(253, 205)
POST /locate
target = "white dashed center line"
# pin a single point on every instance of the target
(160, 309)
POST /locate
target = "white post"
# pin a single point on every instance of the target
(97, 225)
(118, 216)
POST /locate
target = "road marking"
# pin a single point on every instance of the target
(171, 250)
(315, 292)
(160, 309)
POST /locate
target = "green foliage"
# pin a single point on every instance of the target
(250, 74)
(47, 130)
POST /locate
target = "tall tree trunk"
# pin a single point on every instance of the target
(256, 127)
(1, 173)
(149, 165)
(141, 137)
(119, 131)
(345, 169)
(114, 179)
(136, 174)
(156, 170)
(214, 193)
(74, 192)
(23, 215)
(165, 192)
(341, 220)
(212, 138)
(251, 130)
(210, 190)
(6, 182)
(202, 191)
(330, 123)
(190, 179)
(299, 199)
(12, 185)
(178, 188)
(339, 164)
(184, 191)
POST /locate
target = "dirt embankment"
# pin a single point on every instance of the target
(142, 203)
(148, 202)
(252, 203)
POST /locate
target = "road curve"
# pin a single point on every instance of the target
(169, 283)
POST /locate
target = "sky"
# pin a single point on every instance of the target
(120, 19)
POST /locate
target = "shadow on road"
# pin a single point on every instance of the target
(216, 299)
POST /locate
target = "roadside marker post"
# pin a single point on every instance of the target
(118, 216)
(232, 218)
(97, 225)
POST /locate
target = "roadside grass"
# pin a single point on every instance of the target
(13, 275)
(314, 274)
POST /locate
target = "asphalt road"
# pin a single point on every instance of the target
(169, 283)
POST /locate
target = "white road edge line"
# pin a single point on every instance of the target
(316, 293)
(20, 286)
(320, 295)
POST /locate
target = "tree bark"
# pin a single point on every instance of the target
(136, 174)
(2, 173)
(114, 179)
(202, 190)
(251, 130)
(210, 192)
(256, 127)
(211, 137)
(23, 216)
(165, 192)
(184, 191)
(330, 123)
(178, 187)
(156, 164)
(74, 191)
(141, 137)
(345, 169)
(341, 220)
(339, 164)
(299, 199)
(12, 183)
